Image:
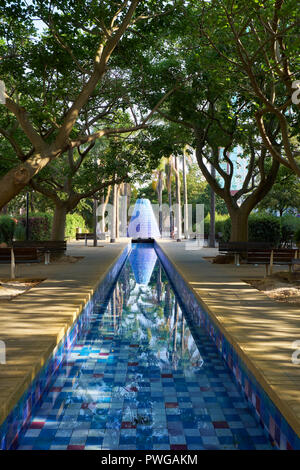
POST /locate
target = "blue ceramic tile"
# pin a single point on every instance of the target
(143, 375)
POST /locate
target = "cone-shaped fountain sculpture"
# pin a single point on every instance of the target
(143, 223)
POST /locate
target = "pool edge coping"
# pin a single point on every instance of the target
(282, 407)
(8, 408)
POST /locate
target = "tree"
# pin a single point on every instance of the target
(86, 173)
(262, 48)
(215, 112)
(284, 196)
(58, 73)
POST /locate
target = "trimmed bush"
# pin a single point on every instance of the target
(220, 221)
(20, 232)
(7, 228)
(297, 236)
(287, 232)
(227, 230)
(73, 221)
(39, 226)
(264, 228)
(261, 228)
(289, 223)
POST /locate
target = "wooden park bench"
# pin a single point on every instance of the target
(46, 247)
(90, 236)
(296, 261)
(237, 248)
(277, 256)
(22, 255)
(85, 236)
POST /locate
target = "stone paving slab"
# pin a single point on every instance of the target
(261, 330)
(32, 324)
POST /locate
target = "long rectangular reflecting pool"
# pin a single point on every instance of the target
(140, 376)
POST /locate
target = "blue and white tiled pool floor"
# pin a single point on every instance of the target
(139, 378)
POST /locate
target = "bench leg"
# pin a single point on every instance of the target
(236, 259)
(266, 270)
(47, 257)
(290, 273)
(12, 265)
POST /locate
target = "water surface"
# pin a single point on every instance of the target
(141, 378)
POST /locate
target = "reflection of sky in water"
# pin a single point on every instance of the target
(153, 315)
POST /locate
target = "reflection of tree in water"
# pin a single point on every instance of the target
(151, 315)
(127, 283)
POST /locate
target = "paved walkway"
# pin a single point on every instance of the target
(31, 325)
(260, 329)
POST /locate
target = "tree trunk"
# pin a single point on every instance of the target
(102, 222)
(169, 188)
(118, 211)
(95, 206)
(114, 216)
(59, 222)
(239, 225)
(185, 199)
(104, 202)
(124, 210)
(159, 193)
(212, 228)
(178, 203)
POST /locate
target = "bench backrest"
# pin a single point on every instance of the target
(284, 255)
(83, 236)
(280, 255)
(51, 245)
(21, 254)
(244, 246)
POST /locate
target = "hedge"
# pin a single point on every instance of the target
(40, 226)
(297, 236)
(264, 227)
(220, 220)
(261, 227)
(73, 221)
(7, 228)
(290, 225)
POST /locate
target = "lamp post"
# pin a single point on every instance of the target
(27, 215)
(95, 206)
(114, 215)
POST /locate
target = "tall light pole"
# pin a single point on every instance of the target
(95, 206)
(27, 215)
